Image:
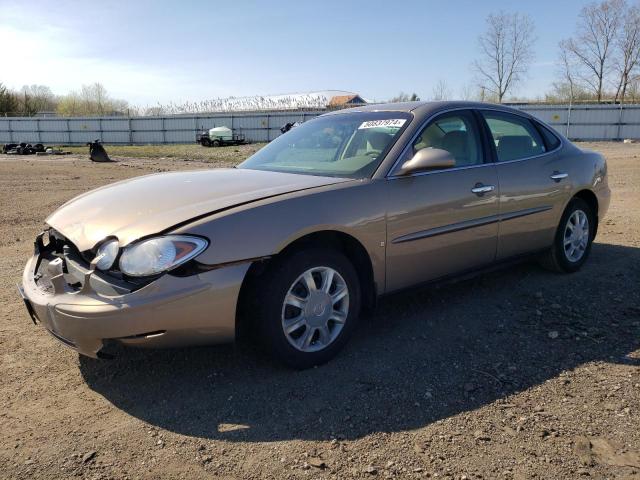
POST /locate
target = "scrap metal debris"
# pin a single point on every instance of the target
(53, 151)
(22, 148)
(288, 126)
(97, 153)
(29, 149)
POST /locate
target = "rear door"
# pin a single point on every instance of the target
(533, 184)
(444, 221)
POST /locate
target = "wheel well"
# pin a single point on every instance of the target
(350, 246)
(591, 199)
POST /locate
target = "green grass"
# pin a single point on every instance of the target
(185, 152)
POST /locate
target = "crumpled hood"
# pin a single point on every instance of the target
(150, 204)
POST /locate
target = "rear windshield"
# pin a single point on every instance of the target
(345, 145)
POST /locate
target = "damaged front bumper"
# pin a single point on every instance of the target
(83, 309)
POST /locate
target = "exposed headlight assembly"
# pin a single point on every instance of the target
(106, 254)
(159, 254)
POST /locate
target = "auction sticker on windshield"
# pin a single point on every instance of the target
(391, 122)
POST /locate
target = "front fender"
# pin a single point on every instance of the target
(266, 227)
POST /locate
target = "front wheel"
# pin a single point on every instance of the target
(308, 305)
(572, 243)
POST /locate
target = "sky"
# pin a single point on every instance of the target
(148, 52)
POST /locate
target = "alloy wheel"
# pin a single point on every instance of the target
(315, 309)
(576, 236)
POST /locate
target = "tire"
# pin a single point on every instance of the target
(325, 335)
(205, 142)
(215, 143)
(561, 259)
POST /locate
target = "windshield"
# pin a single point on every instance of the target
(344, 145)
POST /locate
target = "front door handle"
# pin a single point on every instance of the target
(557, 176)
(481, 189)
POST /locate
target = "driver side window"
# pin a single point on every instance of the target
(454, 132)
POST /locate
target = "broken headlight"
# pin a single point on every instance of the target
(106, 254)
(159, 254)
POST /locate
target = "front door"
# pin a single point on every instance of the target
(444, 221)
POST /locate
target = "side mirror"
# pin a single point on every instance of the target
(427, 159)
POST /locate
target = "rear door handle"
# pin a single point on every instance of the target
(557, 176)
(481, 189)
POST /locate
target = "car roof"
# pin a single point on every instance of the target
(423, 109)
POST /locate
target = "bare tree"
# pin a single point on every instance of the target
(91, 100)
(70, 105)
(470, 91)
(506, 52)
(567, 69)
(36, 98)
(633, 89)
(628, 44)
(405, 97)
(593, 46)
(8, 101)
(441, 91)
(95, 98)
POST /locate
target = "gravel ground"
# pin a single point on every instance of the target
(180, 152)
(517, 374)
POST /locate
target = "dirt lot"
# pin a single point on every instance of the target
(179, 152)
(515, 374)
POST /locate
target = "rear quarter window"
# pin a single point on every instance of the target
(550, 138)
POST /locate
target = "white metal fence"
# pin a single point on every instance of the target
(578, 122)
(589, 122)
(257, 127)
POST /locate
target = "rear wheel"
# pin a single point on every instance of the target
(307, 306)
(215, 143)
(206, 142)
(572, 243)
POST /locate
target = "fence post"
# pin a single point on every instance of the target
(68, 131)
(130, 131)
(619, 135)
(10, 132)
(164, 132)
(268, 129)
(569, 118)
(39, 133)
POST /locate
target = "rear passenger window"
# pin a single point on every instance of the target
(514, 137)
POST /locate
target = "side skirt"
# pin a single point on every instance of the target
(470, 273)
